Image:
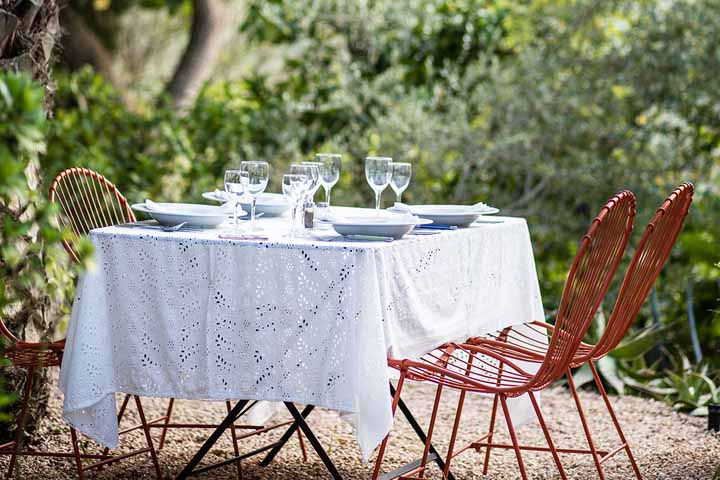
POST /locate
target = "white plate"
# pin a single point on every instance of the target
(193, 214)
(271, 204)
(395, 226)
(459, 215)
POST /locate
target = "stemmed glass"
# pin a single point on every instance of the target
(318, 165)
(312, 179)
(400, 179)
(236, 182)
(329, 171)
(378, 173)
(293, 187)
(258, 175)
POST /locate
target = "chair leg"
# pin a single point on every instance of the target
(383, 445)
(591, 444)
(431, 427)
(148, 438)
(120, 415)
(493, 416)
(233, 434)
(168, 415)
(513, 437)
(21, 420)
(545, 430)
(302, 446)
(76, 454)
(453, 435)
(611, 411)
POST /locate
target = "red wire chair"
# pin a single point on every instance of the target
(471, 368)
(650, 256)
(88, 200)
(74, 190)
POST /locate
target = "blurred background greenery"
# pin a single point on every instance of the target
(542, 108)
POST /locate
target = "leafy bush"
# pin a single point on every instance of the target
(35, 283)
(545, 109)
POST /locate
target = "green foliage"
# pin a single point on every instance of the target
(25, 217)
(542, 108)
(687, 388)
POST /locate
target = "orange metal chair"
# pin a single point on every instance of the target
(74, 192)
(88, 200)
(31, 357)
(471, 368)
(647, 262)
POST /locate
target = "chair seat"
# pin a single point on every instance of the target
(520, 346)
(35, 355)
(467, 367)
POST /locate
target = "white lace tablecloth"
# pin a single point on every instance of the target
(190, 315)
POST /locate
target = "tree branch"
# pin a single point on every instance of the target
(83, 47)
(196, 63)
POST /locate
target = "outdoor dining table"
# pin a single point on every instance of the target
(190, 315)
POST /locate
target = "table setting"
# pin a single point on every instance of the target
(244, 198)
(247, 299)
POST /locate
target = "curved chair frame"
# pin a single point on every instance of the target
(478, 369)
(647, 262)
(87, 200)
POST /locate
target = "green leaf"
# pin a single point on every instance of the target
(608, 368)
(642, 342)
(583, 376)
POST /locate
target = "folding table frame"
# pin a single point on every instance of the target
(299, 421)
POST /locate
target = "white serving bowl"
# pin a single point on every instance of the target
(194, 215)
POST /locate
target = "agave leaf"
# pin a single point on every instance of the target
(582, 376)
(650, 389)
(642, 342)
(608, 368)
(700, 412)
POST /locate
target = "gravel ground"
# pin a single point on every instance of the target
(667, 445)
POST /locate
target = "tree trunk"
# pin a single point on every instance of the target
(197, 60)
(28, 35)
(82, 46)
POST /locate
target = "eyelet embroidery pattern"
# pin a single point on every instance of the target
(188, 315)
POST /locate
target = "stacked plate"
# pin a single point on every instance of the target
(193, 215)
(376, 224)
(458, 215)
(269, 204)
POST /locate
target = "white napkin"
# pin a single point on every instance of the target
(152, 206)
(222, 195)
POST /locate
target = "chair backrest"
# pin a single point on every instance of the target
(592, 270)
(87, 200)
(7, 335)
(650, 256)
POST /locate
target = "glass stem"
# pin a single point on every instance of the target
(237, 222)
(327, 194)
(293, 220)
(377, 200)
(399, 196)
(252, 214)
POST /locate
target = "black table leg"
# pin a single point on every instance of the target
(286, 436)
(231, 417)
(300, 420)
(420, 432)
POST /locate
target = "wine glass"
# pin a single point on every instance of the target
(329, 172)
(258, 175)
(293, 187)
(312, 179)
(400, 179)
(235, 184)
(318, 165)
(378, 173)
